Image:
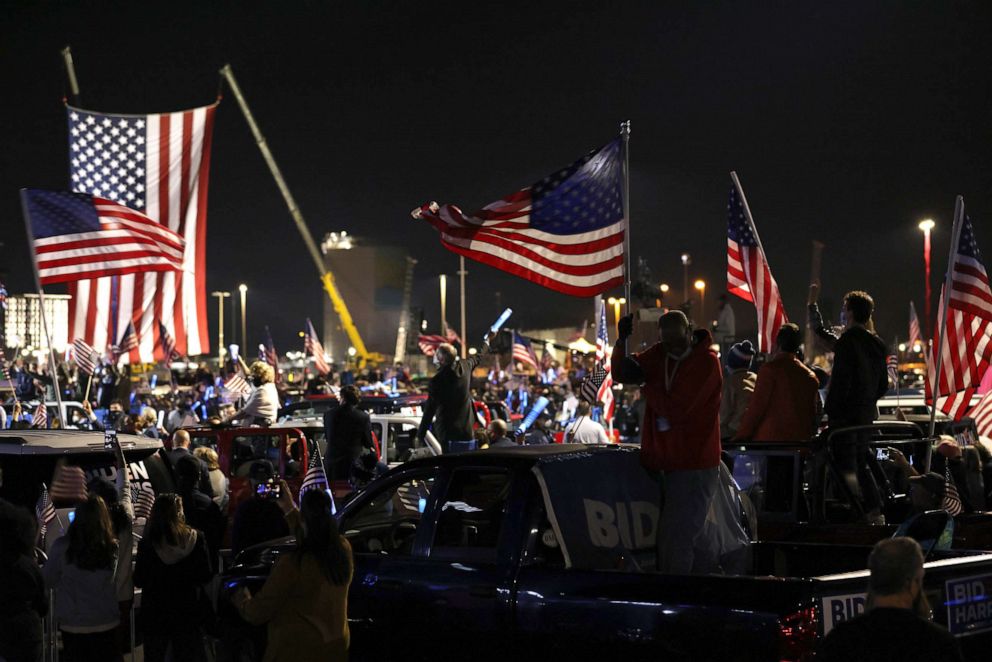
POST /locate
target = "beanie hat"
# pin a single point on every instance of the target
(740, 355)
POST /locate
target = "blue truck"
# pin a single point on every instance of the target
(531, 552)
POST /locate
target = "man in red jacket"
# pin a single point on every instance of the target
(680, 434)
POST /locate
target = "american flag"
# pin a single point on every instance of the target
(428, 343)
(892, 364)
(3, 296)
(84, 355)
(44, 511)
(565, 232)
(914, 326)
(143, 500)
(315, 478)
(267, 352)
(522, 351)
(451, 335)
(598, 385)
(69, 485)
(169, 352)
(77, 236)
(157, 164)
(981, 413)
(965, 348)
(129, 341)
(237, 385)
(3, 368)
(312, 346)
(748, 273)
(952, 499)
(40, 417)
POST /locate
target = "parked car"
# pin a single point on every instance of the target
(529, 553)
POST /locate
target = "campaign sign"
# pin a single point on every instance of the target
(840, 608)
(969, 604)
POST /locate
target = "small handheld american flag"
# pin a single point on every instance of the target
(429, 343)
(315, 478)
(952, 500)
(40, 417)
(84, 355)
(44, 511)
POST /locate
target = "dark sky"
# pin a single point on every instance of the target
(847, 122)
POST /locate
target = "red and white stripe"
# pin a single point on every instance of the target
(524, 354)
(981, 413)
(429, 343)
(312, 346)
(177, 165)
(914, 326)
(583, 264)
(605, 393)
(750, 278)
(965, 357)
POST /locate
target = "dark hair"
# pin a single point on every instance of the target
(860, 304)
(18, 532)
(789, 338)
(583, 408)
(893, 564)
(350, 395)
(108, 492)
(321, 539)
(167, 523)
(92, 545)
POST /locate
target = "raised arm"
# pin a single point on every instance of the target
(623, 368)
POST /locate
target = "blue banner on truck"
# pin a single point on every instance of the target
(969, 604)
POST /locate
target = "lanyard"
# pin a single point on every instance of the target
(670, 377)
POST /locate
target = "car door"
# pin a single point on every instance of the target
(387, 526)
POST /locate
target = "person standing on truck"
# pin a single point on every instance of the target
(263, 403)
(859, 378)
(348, 431)
(680, 435)
(449, 403)
(896, 624)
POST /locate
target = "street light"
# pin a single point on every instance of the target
(616, 303)
(686, 261)
(244, 315)
(701, 286)
(220, 323)
(444, 304)
(664, 290)
(926, 225)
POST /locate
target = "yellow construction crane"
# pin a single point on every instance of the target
(362, 354)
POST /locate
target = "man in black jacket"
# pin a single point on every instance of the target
(449, 404)
(348, 431)
(859, 378)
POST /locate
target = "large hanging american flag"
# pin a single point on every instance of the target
(748, 273)
(914, 326)
(156, 164)
(965, 350)
(598, 385)
(78, 236)
(312, 346)
(565, 232)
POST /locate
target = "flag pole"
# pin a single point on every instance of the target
(461, 287)
(54, 366)
(625, 137)
(70, 70)
(935, 385)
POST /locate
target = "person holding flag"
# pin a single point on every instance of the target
(263, 403)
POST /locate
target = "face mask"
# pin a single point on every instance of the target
(843, 317)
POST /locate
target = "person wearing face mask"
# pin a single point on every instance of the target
(263, 403)
(896, 624)
(680, 435)
(858, 379)
(449, 403)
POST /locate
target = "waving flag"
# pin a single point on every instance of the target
(129, 341)
(84, 355)
(44, 511)
(429, 343)
(748, 273)
(523, 352)
(982, 415)
(40, 417)
(157, 165)
(450, 335)
(312, 346)
(564, 232)
(78, 236)
(237, 386)
(965, 348)
(914, 326)
(168, 342)
(951, 501)
(598, 384)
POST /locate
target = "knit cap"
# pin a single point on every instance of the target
(740, 355)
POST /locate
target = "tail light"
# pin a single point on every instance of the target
(797, 635)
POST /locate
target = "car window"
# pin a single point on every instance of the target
(388, 522)
(250, 448)
(203, 441)
(471, 515)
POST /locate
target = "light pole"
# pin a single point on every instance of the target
(701, 286)
(686, 261)
(664, 290)
(616, 303)
(220, 323)
(244, 316)
(926, 225)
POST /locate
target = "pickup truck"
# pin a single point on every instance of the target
(541, 551)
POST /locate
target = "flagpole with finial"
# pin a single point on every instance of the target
(625, 137)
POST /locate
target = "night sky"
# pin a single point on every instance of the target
(847, 122)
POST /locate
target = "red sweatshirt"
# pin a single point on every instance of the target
(690, 404)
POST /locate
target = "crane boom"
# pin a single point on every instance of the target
(326, 277)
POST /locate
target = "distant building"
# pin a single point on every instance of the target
(23, 332)
(370, 279)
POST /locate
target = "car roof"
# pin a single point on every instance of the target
(518, 454)
(64, 442)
